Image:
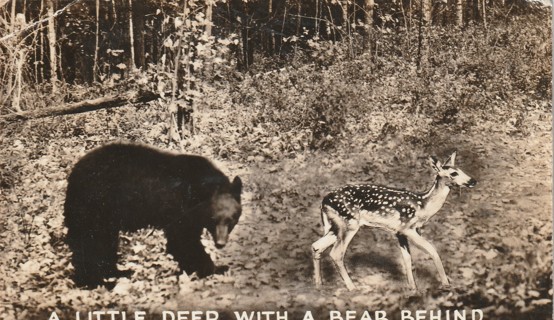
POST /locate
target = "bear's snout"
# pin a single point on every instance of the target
(221, 235)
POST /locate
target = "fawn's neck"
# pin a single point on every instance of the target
(436, 196)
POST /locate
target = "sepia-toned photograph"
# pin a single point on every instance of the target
(276, 160)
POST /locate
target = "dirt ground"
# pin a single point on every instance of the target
(495, 240)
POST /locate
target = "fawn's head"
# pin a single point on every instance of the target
(454, 176)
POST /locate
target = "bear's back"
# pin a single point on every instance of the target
(125, 182)
(116, 161)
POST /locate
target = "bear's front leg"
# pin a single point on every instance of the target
(188, 251)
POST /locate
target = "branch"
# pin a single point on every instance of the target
(108, 102)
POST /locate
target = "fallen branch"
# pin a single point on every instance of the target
(107, 102)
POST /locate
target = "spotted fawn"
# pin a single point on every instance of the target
(401, 212)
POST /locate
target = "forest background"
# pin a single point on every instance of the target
(297, 97)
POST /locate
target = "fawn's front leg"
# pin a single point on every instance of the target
(407, 257)
(318, 248)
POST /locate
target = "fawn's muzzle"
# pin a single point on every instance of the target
(471, 183)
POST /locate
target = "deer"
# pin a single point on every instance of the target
(401, 212)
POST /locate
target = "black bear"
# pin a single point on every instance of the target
(123, 187)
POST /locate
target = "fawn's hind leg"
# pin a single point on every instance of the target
(318, 248)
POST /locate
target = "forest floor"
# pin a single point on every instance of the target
(495, 240)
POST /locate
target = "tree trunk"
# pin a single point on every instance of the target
(139, 34)
(12, 53)
(410, 23)
(131, 37)
(368, 11)
(317, 13)
(484, 14)
(52, 46)
(39, 49)
(97, 43)
(475, 9)
(12, 16)
(270, 39)
(181, 115)
(247, 41)
(299, 21)
(423, 46)
(459, 13)
(21, 58)
(209, 16)
(344, 7)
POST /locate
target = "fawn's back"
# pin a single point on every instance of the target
(377, 206)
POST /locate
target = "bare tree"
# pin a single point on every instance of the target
(97, 42)
(39, 51)
(459, 13)
(131, 36)
(368, 10)
(423, 45)
(52, 46)
(209, 16)
(484, 13)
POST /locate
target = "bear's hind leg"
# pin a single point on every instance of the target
(94, 258)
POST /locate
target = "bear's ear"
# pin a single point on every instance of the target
(236, 186)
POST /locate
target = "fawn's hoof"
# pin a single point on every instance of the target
(412, 291)
(446, 287)
(351, 287)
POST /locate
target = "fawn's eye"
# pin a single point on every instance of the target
(454, 174)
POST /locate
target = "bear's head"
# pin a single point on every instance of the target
(225, 212)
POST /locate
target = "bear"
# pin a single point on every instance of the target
(126, 187)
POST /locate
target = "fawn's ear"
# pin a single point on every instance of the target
(435, 164)
(450, 161)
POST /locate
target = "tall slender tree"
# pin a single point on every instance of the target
(209, 16)
(423, 45)
(52, 46)
(459, 13)
(131, 36)
(368, 11)
(96, 43)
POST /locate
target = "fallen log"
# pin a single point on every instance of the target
(111, 101)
